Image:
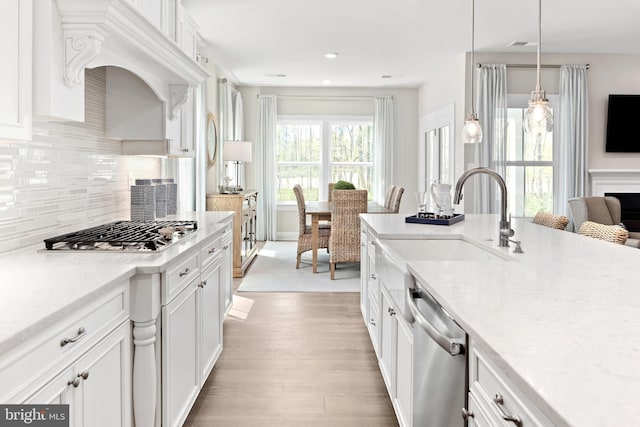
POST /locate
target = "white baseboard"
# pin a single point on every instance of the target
(287, 235)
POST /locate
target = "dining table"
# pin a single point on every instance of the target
(321, 211)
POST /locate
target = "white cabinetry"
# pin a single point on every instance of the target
(369, 287)
(191, 327)
(494, 401)
(226, 269)
(388, 336)
(15, 73)
(83, 360)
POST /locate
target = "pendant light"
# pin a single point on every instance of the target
(472, 132)
(538, 119)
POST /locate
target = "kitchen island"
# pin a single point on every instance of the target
(559, 321)
(69, 319)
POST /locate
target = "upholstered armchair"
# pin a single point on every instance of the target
(602, 210)
(344, 242)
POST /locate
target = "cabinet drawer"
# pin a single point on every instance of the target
(59, 344)
(210, 250)
(179, 275)
(500, 396)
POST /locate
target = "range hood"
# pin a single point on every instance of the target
(73, 35)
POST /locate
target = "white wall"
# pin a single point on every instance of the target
(608, 74)
(406, 126)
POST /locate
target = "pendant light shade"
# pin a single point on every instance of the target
(538, 118)
(472, 131)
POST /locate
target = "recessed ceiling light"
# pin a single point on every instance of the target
(331, 55)
(276, 75)
(326, 82)
(386, 76)
(520, 44)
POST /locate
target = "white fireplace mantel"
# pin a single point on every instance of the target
(614, 181)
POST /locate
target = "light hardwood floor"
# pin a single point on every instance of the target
(294, 359)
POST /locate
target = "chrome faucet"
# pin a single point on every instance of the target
(505, 223)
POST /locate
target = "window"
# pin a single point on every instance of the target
(529, 163)
(313, 152)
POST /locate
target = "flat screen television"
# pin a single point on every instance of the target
(622, 125)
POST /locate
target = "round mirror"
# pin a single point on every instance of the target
(212, 139)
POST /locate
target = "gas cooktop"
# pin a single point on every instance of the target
(124, 236)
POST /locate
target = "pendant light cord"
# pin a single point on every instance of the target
(473, 32)
(539, 37)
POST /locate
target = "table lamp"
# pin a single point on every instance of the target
(237, 152)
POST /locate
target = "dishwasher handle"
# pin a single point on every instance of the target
(451, 346)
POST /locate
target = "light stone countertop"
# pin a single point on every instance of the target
(39, 287)
(562, 320)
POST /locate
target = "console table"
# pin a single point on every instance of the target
(243, 205)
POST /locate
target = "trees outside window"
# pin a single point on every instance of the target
(529, 164)
(313, 152)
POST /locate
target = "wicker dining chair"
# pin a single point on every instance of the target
(304, 230)
(397, 197)
(331, 184)
(388, 199)
(550, 220)
(344, 241)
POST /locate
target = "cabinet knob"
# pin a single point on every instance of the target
(185, 150)
(84, 375)
(373, 276)
(466, 414)
(372, 322)
(225, 247)
(74, 382)
(391, 311)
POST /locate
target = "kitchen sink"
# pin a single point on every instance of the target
(392, 256)
(441, 250)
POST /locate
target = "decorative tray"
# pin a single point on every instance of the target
(430, 218)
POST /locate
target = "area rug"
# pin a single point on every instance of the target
(274, 270)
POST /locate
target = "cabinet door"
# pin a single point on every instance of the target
(105, 375)
(209, 296)
(226, 273)
(404, 373)
(180, 372)
(15, 73)
(187, 124)
(60, 391)
(364, 273)
(477, 417)
(388, 332)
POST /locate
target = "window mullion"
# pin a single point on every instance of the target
(325, 160)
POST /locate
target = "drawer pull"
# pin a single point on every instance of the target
(373, 276)
(80, 335)
(373, 243)
(84, 375)
(212, 250)
(499, 401)
(466, 414)
(372, 322)
(185, 272)
(202, 284)
(391, 311)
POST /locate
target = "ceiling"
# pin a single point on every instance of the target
(254, 42)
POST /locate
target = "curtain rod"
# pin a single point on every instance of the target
(478, 65)
(345, 97)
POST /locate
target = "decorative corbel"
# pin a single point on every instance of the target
(179, 95)
(81, 45)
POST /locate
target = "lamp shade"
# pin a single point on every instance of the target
(237, 151)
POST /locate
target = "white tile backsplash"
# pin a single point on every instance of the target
(66, 178)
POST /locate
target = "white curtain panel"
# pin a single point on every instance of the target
(570, 178)
(491, 152)
(226, 128)
(265, 164)
(238, 118)
(383, 123)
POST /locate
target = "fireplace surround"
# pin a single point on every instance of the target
(623, 184)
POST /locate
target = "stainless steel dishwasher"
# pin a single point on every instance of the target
(439, 362)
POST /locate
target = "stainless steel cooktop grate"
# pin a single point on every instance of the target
(124, 235)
